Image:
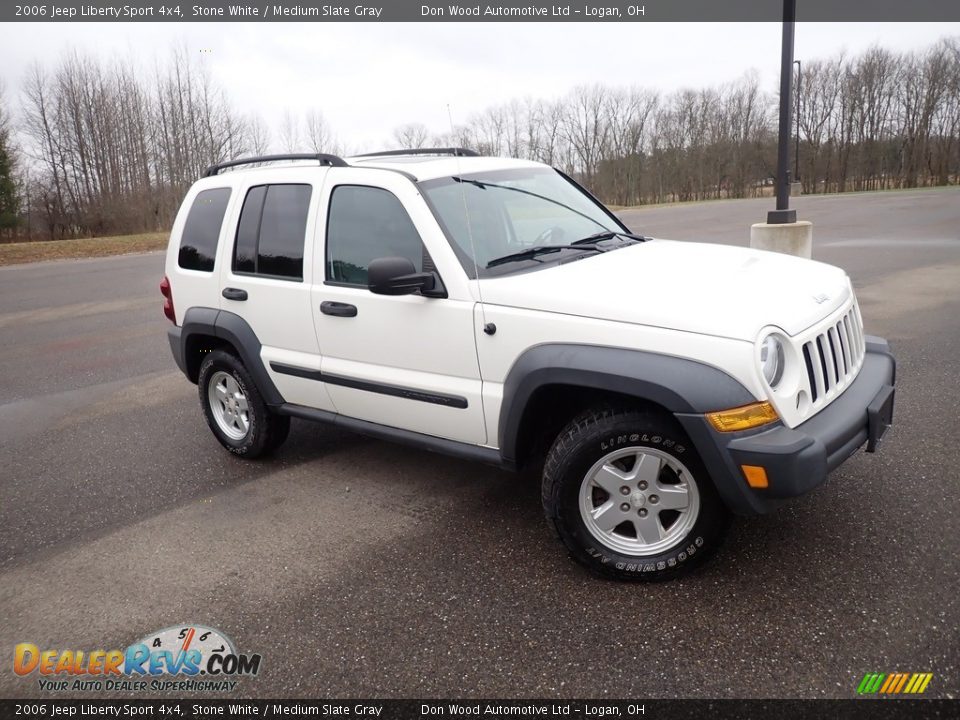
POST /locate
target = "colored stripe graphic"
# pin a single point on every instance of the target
(862, 687)
(894, 683)
(889, 682)
(870, 683)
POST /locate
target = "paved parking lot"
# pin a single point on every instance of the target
(360, 568)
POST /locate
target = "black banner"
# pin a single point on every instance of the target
(470, 11)
(490, 709)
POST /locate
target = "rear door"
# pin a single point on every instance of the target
(267, 274)
(405, 361)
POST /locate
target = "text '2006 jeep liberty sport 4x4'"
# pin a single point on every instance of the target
(493, 309)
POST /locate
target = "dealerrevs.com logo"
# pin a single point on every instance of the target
(178, 658)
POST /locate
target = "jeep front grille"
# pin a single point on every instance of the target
(833, 357)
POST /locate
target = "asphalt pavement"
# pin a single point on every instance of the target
(360, 568)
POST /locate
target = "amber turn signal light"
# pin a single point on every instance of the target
(756, 476)
(743, 418)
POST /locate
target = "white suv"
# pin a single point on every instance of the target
(493, 309)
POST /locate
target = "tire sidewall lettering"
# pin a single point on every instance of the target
(649, 565)
(617, 441)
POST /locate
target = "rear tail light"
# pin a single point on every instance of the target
(167, 300)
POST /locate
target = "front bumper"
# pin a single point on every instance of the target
(798, 459)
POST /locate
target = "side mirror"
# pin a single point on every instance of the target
(398, 276)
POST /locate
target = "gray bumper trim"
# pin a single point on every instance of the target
(796, 460)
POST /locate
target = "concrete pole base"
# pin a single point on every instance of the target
(790, 238)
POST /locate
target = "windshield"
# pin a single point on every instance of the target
(494, 214)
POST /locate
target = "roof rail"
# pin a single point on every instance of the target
(322, 158)
(456, 152)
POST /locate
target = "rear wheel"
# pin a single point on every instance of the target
(630, 498)
(235, 410)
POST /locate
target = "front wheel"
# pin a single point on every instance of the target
(234, 409)
(630, 498)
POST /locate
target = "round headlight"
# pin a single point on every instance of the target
(771, 359)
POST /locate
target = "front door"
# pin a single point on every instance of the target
(405, 361)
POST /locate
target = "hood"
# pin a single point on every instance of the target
(695, 287)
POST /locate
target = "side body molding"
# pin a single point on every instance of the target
(678, 384)
(235, 330)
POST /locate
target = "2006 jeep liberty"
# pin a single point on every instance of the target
(493, 309)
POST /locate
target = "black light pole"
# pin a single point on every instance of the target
(783, 213)
(796, 151)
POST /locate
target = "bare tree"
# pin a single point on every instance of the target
(258, 135)
(584, 129)
(290, 133)
(109, 149)
(194, 126)
(945, 140)
(411, 135)
(319, 135)
(114, 154)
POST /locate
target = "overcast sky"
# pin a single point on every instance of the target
(368, 78)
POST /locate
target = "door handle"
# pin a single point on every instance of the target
(338, 309)
(234, 294)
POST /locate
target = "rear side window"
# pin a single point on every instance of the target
(201, 232)
(363, 224)
(272, 231)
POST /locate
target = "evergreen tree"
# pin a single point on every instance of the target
(9, 198)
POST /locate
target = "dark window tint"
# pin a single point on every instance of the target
(364, 224)
(198, 244)
(282, 229)
(248, 229)
(271, 231)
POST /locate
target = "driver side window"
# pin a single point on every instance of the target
(363, 224)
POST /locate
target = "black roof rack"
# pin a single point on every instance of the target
(322, 158)
(456, 152)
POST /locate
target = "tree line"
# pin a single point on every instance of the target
(96, 147)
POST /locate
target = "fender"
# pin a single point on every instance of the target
(235, 330)
(677, 384)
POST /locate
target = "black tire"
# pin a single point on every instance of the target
(266, 431)
(604, 432)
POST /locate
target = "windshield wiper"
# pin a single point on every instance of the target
(607, 235)
(589, 243)
(532, 252)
